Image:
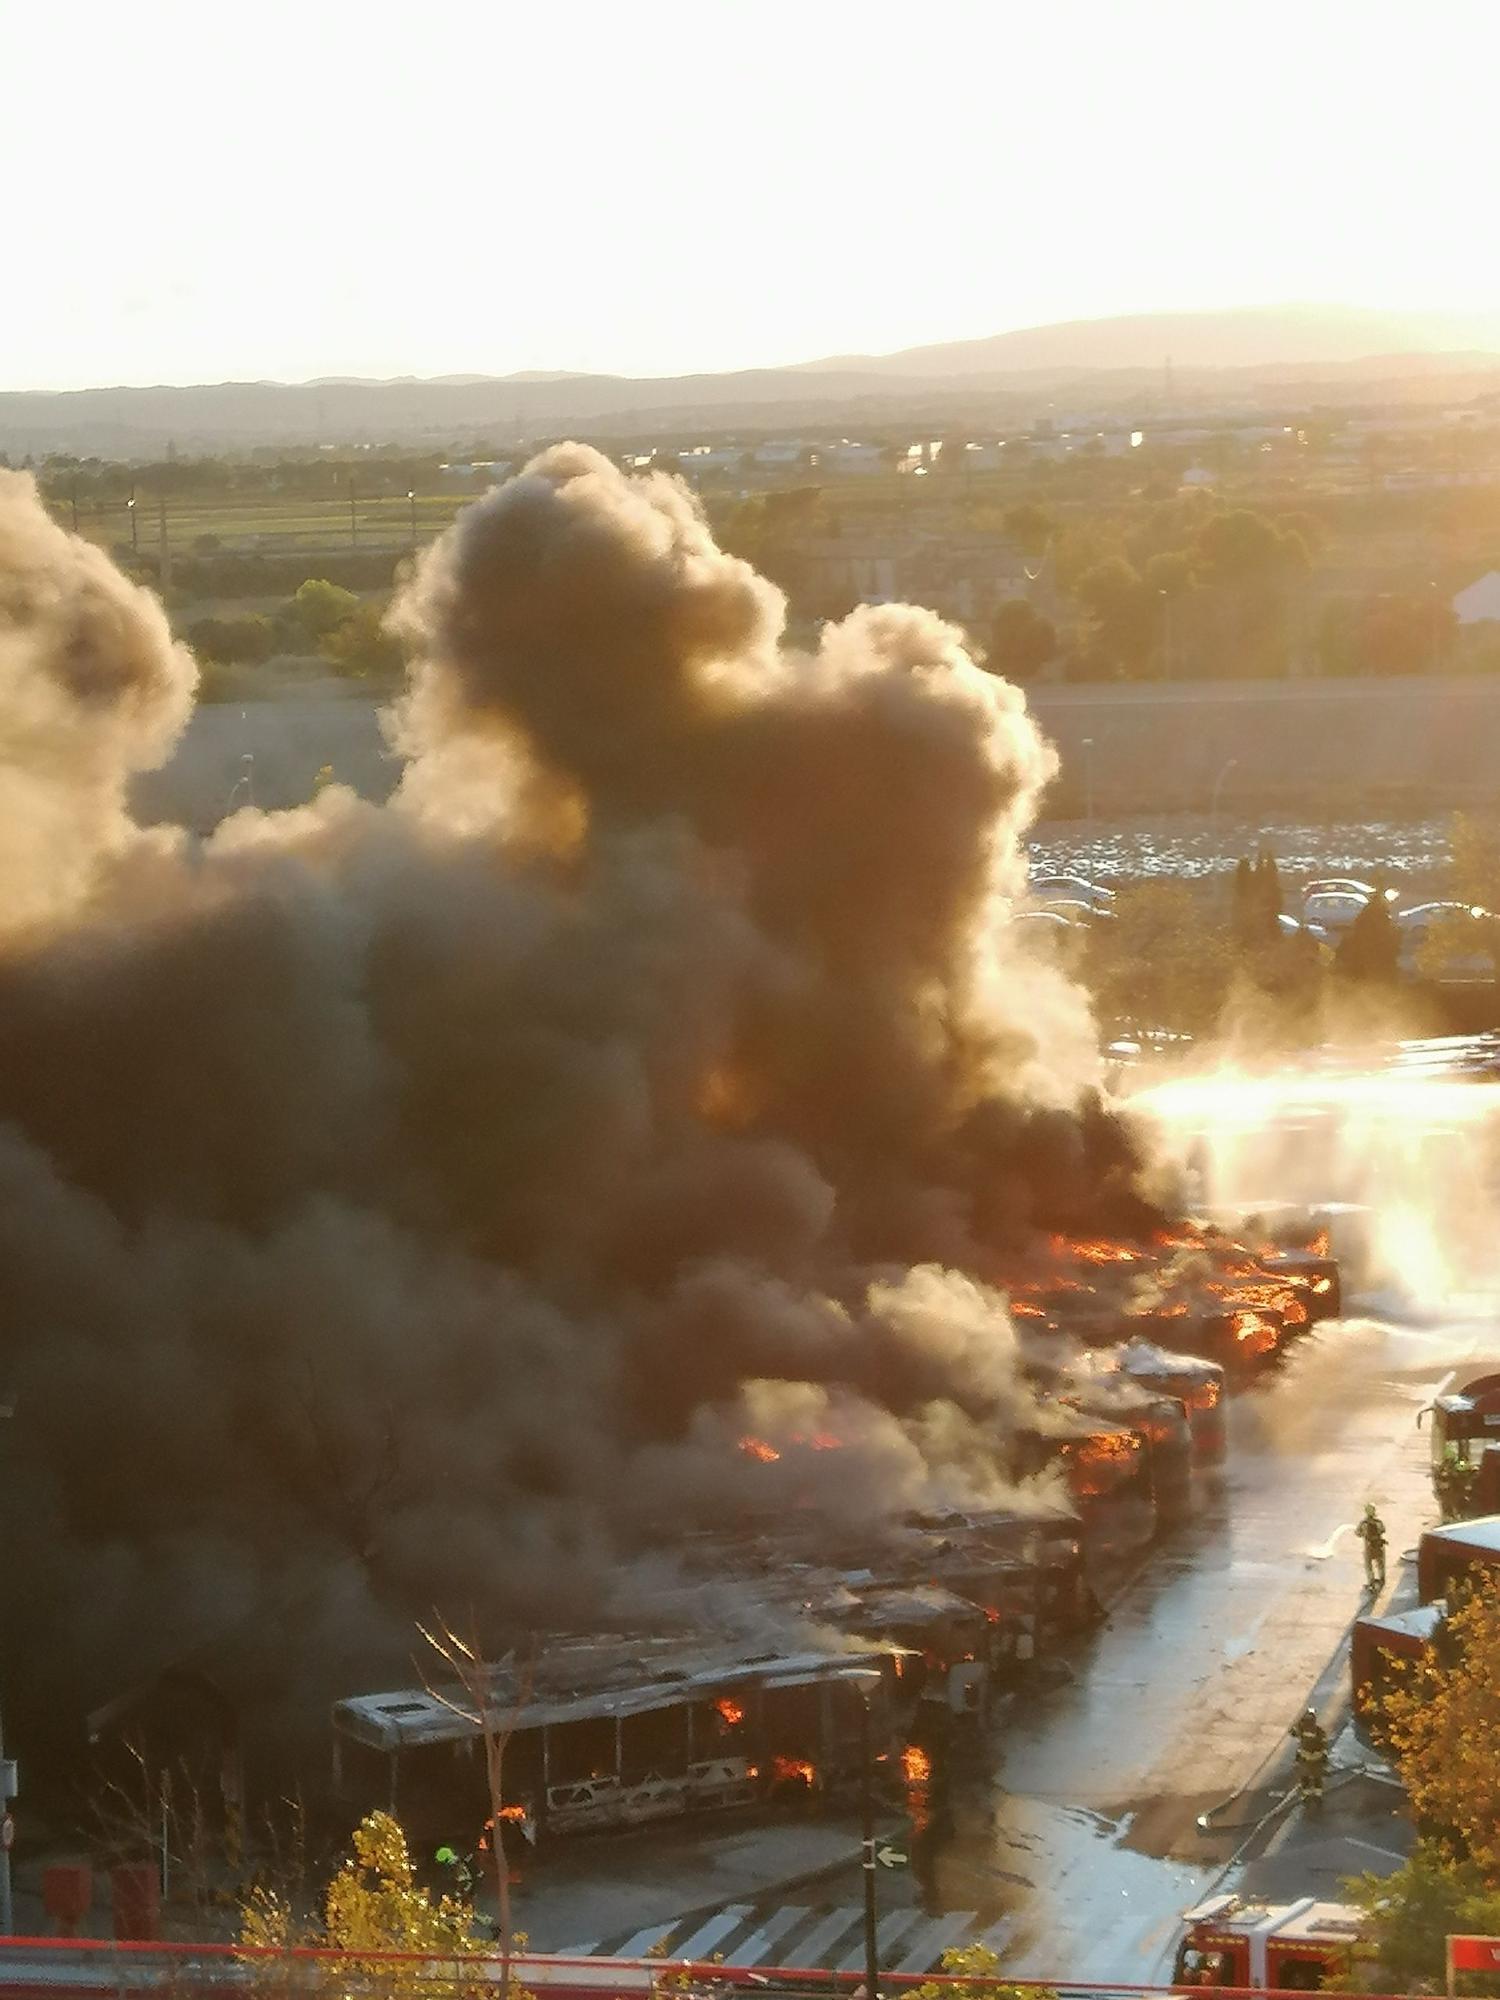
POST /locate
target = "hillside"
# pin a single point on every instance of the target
(1248, 357)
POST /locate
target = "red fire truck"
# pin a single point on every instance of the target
(1280, 1947)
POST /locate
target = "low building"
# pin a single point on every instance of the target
(1479, 603)
(962, 576)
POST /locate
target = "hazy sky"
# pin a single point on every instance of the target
(193, 192)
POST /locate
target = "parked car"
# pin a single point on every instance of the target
(1077, 911)
(1049, 889)
(1472, 937)
(1330, 912)
(1346, 885)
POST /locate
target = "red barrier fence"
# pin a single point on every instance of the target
(41, 1967)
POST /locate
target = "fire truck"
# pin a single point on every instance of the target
(1467, 1421)
(1236, 1941)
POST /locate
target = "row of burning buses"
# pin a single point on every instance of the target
(1130, 1350)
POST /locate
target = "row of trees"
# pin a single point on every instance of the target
(345, 631)
(1441, 1725)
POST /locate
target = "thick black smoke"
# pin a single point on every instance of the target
(419, 1204)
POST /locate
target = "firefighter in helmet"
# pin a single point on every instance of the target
(1453, 1480)
(1311, 1739)
(1371, 1531)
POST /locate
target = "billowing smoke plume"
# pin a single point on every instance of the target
(628, 1125)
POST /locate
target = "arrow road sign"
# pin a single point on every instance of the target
(890, 1857)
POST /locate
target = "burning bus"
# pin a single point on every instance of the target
(619, 1732)
(1197, 1384)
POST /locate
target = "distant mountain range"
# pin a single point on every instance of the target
(1248, 337)
(1248, 357)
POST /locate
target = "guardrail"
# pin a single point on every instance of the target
(48, 1966)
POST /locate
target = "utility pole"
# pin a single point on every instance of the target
(353, 517)
(867, 1841)
(411, 498)
(1166, 640)
(865, 1681)
(135, 539)
(7, 1793)
(8, 1790)
(165, 579)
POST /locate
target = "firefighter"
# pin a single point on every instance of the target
(1311, 1739)
(1371, 1532)
(1453, 1481)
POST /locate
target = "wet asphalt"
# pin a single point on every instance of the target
(1076, 1818)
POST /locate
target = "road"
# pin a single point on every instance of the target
(1086, 1835)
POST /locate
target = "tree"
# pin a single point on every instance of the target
(1442, 1722)
(361, 646)
(1474, 860)
(318, 606)
(1371, 949)
(475, 1703)
(973, 1973)
(1409, 1916)
(1169, 574)
(1386, 634)
(1268, 890)
(1029, 526)
(1244, 911)
(373, 1904)
(1123, 611)
(1022, 641)
(1157, 964)
(233, 642)
(1244, 548)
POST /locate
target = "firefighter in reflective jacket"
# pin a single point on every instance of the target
(1311, 1739)
(1371, 1532)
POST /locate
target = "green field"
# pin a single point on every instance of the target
(270, 526)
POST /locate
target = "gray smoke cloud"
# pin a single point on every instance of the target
(426, 1203)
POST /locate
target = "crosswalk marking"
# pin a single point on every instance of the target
(821, 1937)
(804, 1937)
(927, 1946)
(646, 1940)
(708, 1937)
(760, 1943)
(889, 1929)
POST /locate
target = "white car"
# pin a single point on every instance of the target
(1054, 889)
(1346, 885)
(1330, 912)
(1472, 932)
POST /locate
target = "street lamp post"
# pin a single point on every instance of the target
(1432, 623)
(865, 1682)
(1166, 640)
(1213, 807)
(134, 530)
(1088, 797)
(7, 1793)
(411, 501)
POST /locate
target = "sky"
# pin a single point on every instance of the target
(214, 192)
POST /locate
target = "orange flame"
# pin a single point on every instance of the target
(1254, 1331)
(916, 1765)
(758, 1448)
(1094, 1250)
(731, 1711)
(789, 1769)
